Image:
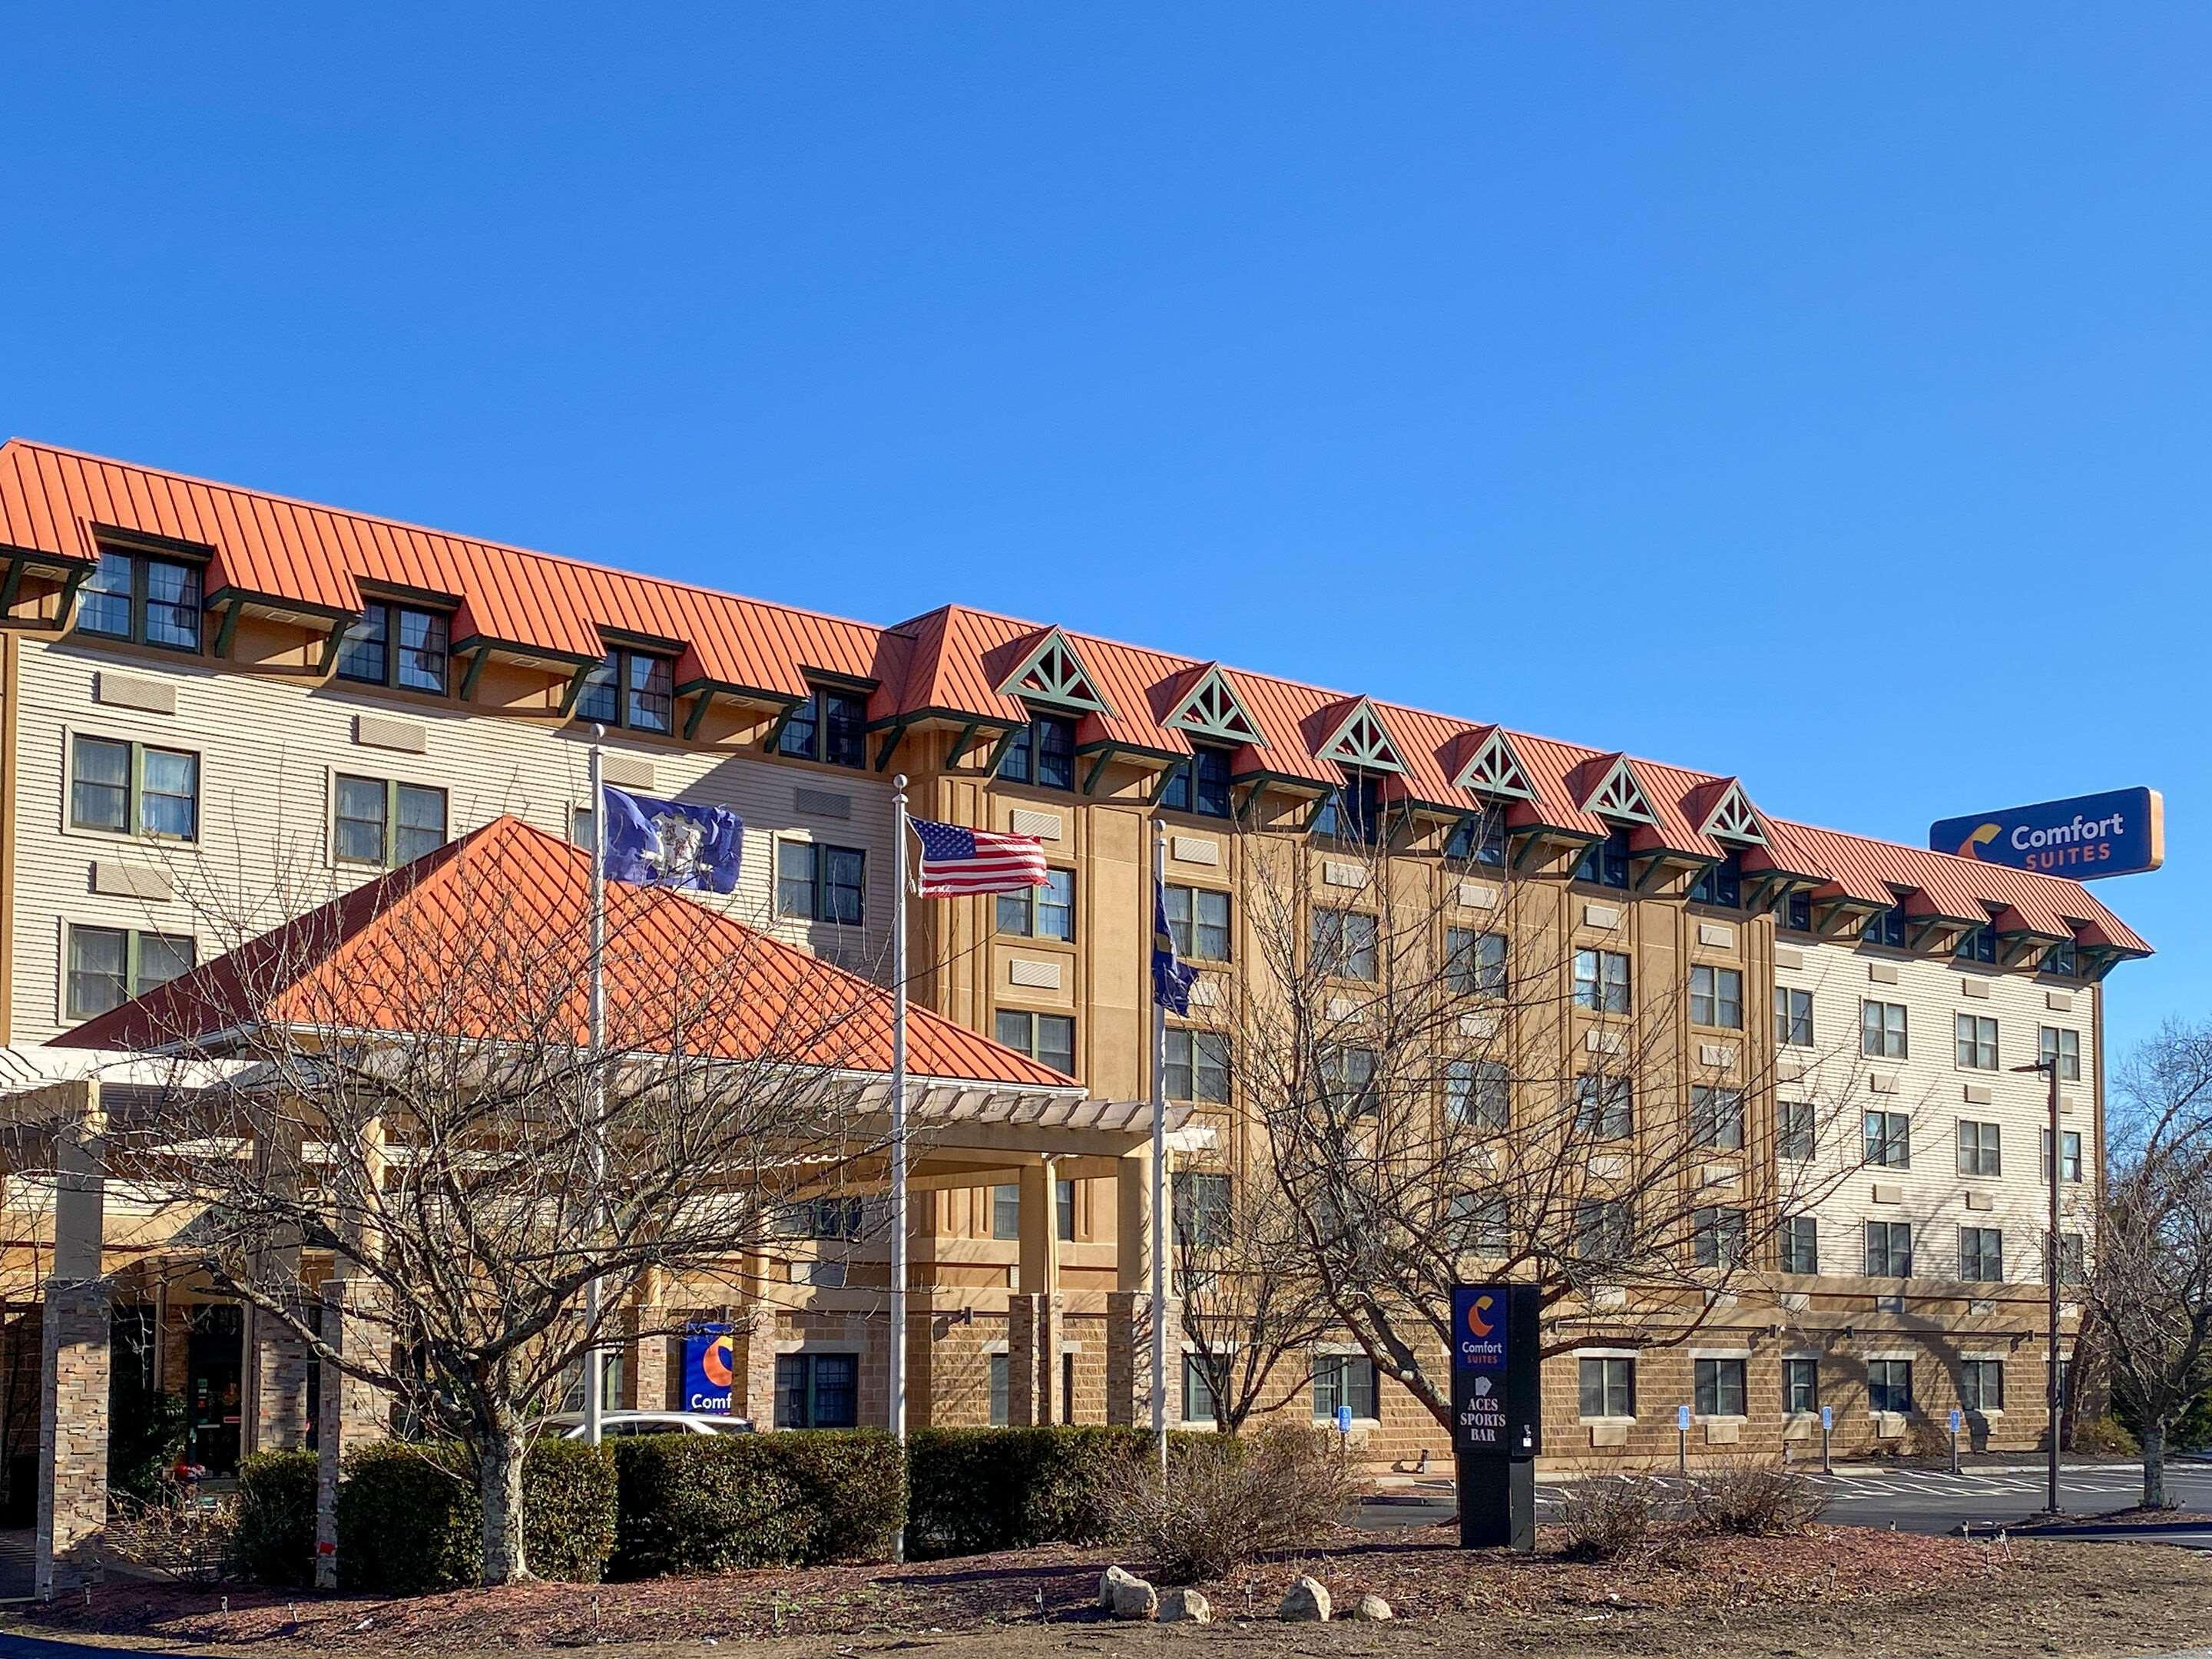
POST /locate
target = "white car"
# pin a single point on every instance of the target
(569, 1426)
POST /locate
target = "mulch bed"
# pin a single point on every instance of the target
(1419, 1571)
(2134, 1516)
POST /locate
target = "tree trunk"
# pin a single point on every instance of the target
(2153, 1461)
(500, 1485)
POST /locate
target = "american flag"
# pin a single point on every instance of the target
(955, 861)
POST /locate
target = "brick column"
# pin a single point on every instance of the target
(74, 1371)
(752, 1344)
(276, 1366)
(354, 1413)
(651, 1357)
(1021, 1359)
(1129, 1360)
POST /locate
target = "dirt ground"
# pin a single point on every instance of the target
(1846, 1592)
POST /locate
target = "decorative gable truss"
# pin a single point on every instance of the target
(1496, 770)
(1210, 709)
(1619, 797)
(1054, 674)
(1733, 820)
(1362, 742)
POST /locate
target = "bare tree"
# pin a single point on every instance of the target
(421, 1115)
(1250, 1311)
(1443, 1087)
(2148, 1291)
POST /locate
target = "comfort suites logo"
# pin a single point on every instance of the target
(2115, 833)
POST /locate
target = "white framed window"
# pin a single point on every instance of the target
(120, 786)
(1607, 1384)
(1977, 1041)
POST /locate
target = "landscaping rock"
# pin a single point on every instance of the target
(1307, 1598)
(1125, 1596)
(1185, 1606)
(1373, 1608)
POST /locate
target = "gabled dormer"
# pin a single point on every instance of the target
(1053, 674)
(1618, 795)
(1495, 770)
(1212, 709)
(1730, 818)
(1361, 742)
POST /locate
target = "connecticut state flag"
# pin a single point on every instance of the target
(670, 843)
(1171, 976)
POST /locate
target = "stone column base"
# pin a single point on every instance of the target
(72, 1435)
(353, 1411)
(1129, 1360)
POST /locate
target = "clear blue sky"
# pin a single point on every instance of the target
(1843, 373)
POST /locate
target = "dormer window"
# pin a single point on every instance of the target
(1606, 863)
(399, 645)
(1978, 944)
(1200, 784)
(830, 726)
(1043, 753)
(144, 600)
(630, 689)
(1885, 928)
(1479, 840)
(1793, 910)
(2062, 959)
(1720, 884)
(1352, 812)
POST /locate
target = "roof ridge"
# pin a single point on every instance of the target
(2073, 883)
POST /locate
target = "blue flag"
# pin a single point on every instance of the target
(1171, 979)
(670, 843)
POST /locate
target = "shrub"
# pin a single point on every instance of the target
(1754, 1499)
(275, 1541)
(1229, 1502)
(977, 1490)
(172, 1537)
(409, 1521)
(698, 1503)
(1609, 1516)
(2104, 1437)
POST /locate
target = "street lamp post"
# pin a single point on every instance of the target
(2053, 1266)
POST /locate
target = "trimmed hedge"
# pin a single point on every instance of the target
(702, 1504)
(409, 1521)
(274, 1542)
(975, 1491)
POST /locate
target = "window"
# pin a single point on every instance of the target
(1343, 1379)
(816, 882)
(1479, 840)
(1717, 1118)
(1344, 944)
(1606, 863)
(1978, 944)
(386, 823)
(1720, 884)
(1795, 912)
(396, 645)
(1200, 784)
(1049, 1039)
(109, 966)
(1889, 1386)
(2070, 1142)
(1800, 1239)
(1198, 1066)
(1882, 1030)
(1604, 1107)
(1063, 1210)
(2064, 1047)
(1002, 1390)
(1889, 1249)
(1006, 1212)
(1717, 1236)
(818, 1390)
(1601, 981)
(1981, 1253)
(1981, 1385)
(2073, 1259)
(1719, 1387)
(1603, 1229)
(1197, 1391)
(1609, 1386)
(1800, 1386)
(134, 789)
(1204, 1208)
(1198, 919)
(1479, 1092)
(1043, 753)
(1474, 963)
(146, 600)
(829, 726)
(1716, 998)
(1046, 912)
(1347, 1077)
(629, 689)
(1352, 812)
(2062, 959)
(1980, 1148)
(1889, 1140)
(1793, 1017)
(1977, 1041)
(1795, 1129)
(1478, 1221)
(836, 1218)
(1885, 928)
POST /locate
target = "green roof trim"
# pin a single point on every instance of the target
(1620, 797)
(1053, 674)
(1732, 818)
(1496, 770)
(1211, 709)
(1361, 741)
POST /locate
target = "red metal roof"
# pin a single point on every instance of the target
(953, 660)
(455, 933)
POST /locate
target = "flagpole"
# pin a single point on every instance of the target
(1159, 1178)
(594, 1359)
(898, 1126)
